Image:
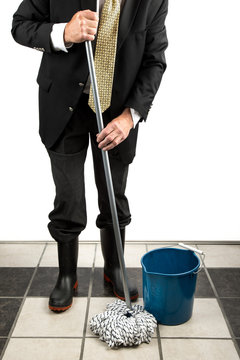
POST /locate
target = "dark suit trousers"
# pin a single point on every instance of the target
(67, 156)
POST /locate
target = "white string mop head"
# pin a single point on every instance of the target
(120, 326)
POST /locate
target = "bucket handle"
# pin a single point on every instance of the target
(200, 252)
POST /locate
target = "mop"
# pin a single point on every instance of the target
(121, 324)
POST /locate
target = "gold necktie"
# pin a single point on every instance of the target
(105, 53)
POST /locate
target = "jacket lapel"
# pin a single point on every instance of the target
(127, 17)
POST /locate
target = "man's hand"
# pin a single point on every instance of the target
(116, 131)
(82, 26)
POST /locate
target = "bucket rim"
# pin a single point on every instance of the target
(171, 275)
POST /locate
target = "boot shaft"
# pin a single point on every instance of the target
(68, 256)
(109, 248)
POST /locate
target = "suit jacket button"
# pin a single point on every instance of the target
(70, 108)
(81, 84)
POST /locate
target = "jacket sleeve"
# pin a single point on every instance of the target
(31, 25)
(153, 65)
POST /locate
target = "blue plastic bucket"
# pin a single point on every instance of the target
(169, 283)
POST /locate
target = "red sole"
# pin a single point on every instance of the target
(59, 309)
(64, 308)
(116, 294)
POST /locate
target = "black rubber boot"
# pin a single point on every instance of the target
(112, 271)
(61, 296)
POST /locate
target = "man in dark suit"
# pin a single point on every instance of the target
(59, 29)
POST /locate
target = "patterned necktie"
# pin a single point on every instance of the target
(105, 53)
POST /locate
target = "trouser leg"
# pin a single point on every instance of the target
(67, 155)
(119, 172)
(68, 218)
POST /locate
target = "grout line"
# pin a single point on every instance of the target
(11, 297)
(88, 305)
(96, 337)
(137, 242)
(196, 338)
(21, 306)
(46, 337)
(51, 337)
(229, 297)
(159, 343)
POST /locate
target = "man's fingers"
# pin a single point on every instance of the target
(82, 27)
(89, 37)
(87, 26)
(90, 23)
(110, 141)
(114, 133)
(117, 140)
(90, 15)
(105, 132)
(88, 33)
(107, 140)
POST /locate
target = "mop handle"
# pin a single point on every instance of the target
(108, 174)
(191, 248)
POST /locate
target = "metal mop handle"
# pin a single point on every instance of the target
(108, 174)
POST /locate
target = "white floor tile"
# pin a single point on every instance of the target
(99, 258)
(39, 349)
(97, 349)
(20, 255)
(221, 255)
(37, 320)
(197, 349)
(133, 255)
(207, 321)
(85, 255)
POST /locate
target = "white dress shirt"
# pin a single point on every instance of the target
(57, 39)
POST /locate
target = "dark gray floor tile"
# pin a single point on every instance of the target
(8, 312)
(203, 287)
(14, 280)
(2, 343)
(232, 310)
(100, 287)
(226, 281)
(135, 277)
(103, 289)
(238, 342)
(46, 277)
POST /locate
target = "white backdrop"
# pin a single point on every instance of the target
(184, 183)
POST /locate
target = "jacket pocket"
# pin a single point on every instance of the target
(44, 82)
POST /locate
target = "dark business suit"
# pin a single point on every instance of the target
(140, 61)
(140, 64)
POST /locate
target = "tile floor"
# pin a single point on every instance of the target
(28, 330)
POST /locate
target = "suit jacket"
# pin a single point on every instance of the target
(140, 61)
